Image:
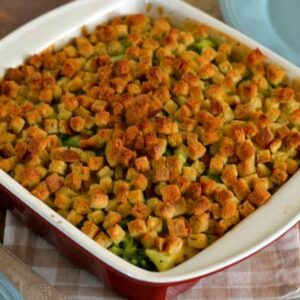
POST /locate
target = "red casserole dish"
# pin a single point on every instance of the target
(59, 26)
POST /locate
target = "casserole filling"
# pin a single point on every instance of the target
(153, 140)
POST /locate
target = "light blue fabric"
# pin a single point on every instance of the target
(8, 290)
(273, 23)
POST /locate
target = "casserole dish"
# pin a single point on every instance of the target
(126, 279)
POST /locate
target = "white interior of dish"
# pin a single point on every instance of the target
(262, 227)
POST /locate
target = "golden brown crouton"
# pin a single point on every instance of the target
(54, 182)
(258, 197)
(41, 191)
(202, 205)
(171, 193)
(111, 219)
(279, 176)
(140, 211)
(116, 233)
(137, 228)
(90, 229)
(246, 209)
(103, 240)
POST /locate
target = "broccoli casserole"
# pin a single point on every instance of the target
(153, 140)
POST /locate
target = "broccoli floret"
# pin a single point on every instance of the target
(70, 141)
(130, 250)
(125, 43)
(117, 250)
(117, 58)
(199, 46)
(214, 177)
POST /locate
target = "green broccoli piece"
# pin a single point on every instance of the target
(125, 43)
(116, 250)
(70, 141)
(130, 250)
(117, 58)
(214, 177)
(199, 46)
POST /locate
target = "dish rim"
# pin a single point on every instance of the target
(176, 274)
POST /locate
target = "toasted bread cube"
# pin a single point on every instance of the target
(102, 118)
(54, 182)
(16, 124)
(161, 174)
(190, 173)
(179, 227)
(95, 163)
(222, 226)
(96, 216)
(98, 201)
(122, 30)
(41, 191)
(74, 218)
(202, 205)
(137, 228)
(90, 229)
(30, 176)
(51, 125)
(208, 185)
(140, 211)
(116, 233)
(103, 240)
(148, 240)
(165, 210)
(140, 182)
(73, 181)
(63, 200)
(198, 240)
(111, 219)
(292, 166)
(152, 203)
(279, 176)
(227, 147)
(81, 205)
(229, 174)
(124, 209)
(240, 189)
(171, 193)
(173, 245)
(246, 208)
(175, 139)
(263, 171)
(105, 171)
(33, 117)
(170, 107)
(247, 167)
(6, 164)
(258, 197)
(154, 224)
(106, 184)
(229, 209)
(136, 196)
(196, 151)
(217, 164)
(275, 74)
(245, 150)
(77, 123)
(263, 156)
(58, 166)
(200, 223)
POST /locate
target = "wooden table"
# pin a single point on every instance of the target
(13, 14)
